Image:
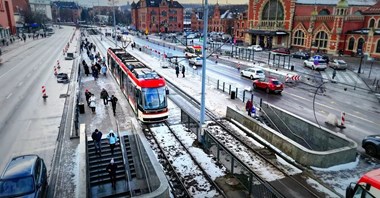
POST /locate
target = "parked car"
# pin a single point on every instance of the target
(256, 48)
(270, 85)
(338, 64)
(281, 51)
(315, 63)
(24, 176)
(253, 73)
(301, 55)
(195, 61)
(371, 145)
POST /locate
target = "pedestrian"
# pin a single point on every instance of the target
(97, 138)
(177, 70)
(112, 140)
(95, 73)
(104, 69)
(111, 169)
(92, 101)
(334, 74)
(238, 66)
(104, 95)
(94, 47)
(113, 102)
(87, 94)
(248, 107)
(183, 71)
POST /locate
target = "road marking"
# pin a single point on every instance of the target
(20, 83)
(9, 95)
(336, 109)
(8, 72)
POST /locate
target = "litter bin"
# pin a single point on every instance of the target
(292, 68)
(81, 108)
(233, 95)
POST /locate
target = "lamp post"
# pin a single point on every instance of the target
(114, 21)
(360, 64)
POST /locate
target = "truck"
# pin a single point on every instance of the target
(269, 85)
(368, 186)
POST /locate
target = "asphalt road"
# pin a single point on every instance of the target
(28, 124)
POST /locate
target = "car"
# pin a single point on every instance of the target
(253, 73)
(281, 51)
(270, 85)
(371, 145)
(315, 63)
(338, 64)
(62, 78)
(301, 55)
(24, 176)
(196, 61)
(256, 48)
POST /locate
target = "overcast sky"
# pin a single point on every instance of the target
(123, 2)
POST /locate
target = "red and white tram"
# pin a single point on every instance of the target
(144, 88)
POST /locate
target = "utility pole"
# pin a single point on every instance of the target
(114, 21)
(205, 25)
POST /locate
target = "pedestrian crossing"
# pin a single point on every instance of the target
(344, 76)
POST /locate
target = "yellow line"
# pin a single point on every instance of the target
(336, 109)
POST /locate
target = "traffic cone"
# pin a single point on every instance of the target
(342, 126)
(44, 95)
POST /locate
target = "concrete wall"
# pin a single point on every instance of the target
(343, 151)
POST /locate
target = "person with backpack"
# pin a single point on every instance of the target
(112, 140)
(104, 95)
(113, 102)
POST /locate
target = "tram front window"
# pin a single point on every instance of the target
(154, 98)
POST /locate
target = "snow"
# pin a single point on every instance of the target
(320, 188)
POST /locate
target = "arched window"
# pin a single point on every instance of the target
(299, 38)
(378, 47)
(324, 12)
(358, 13)
(360, 44)
(351, 44)
(371, 23)
(163, 13)
(273, 10)
(321, 40)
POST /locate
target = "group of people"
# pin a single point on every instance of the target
(91, 100)
(177, 70)
(113, 140)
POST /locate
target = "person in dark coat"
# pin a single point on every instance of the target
(95, 73)
(111, 169)
(104, 96)
(97, 137)
(248, 107)
(177, 70)
(114, 102)
(183, 71)
(87, 94)
(86, 69)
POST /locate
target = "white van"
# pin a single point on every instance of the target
(253, 73)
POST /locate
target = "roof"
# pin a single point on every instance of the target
(65, 4)
(156, 3)
(20, 166)
(227, 15)
(335, 2)
(375, 9)
(46, 2)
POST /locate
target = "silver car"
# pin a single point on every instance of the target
(338, 64)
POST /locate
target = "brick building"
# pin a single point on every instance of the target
(240, 26)
(157, 16)
(64, 11)
(197, 20)
(7, 21)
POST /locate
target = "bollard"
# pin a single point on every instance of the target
(217, 84)
(261, 102)
(223, 86)
(229, 90)
(236, 92)
(342, 121)
(55, 71)
(243, 96)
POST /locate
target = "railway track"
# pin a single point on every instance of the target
(175, 158)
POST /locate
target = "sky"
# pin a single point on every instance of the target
(123, 2)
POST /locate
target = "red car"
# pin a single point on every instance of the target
(270, 85)
(281, 51)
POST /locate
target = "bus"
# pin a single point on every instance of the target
(193, 51)
(145, 90)
(368, 186)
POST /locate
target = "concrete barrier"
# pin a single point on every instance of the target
(327, 149)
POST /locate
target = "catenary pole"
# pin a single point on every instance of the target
(205, 25)
(114, 21)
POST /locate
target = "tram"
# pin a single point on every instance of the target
(145, 90)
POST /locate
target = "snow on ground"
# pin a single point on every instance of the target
(184, 165)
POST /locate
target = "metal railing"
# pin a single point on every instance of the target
(122, 147)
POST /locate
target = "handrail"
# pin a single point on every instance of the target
(144, 165)
(289, 128)
(122, 147)
(87, 169)
(262, 110)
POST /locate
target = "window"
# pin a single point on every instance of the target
(163, 13)
(299, 38)
(324, 12)
(351, 44)
(371, 23)
(358, 13)
(321, 40)
(273, 10)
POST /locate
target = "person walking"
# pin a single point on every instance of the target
(238, 66)
(86, 69)
(97, 138)
(104, 69)
(111, 169)
(177, 70)
(334, 74)
(112, 140)
(92, 101)
(183, 71)
(87, 94)
(113, 102)
(104, 95)
(248, 107)
(95, 73)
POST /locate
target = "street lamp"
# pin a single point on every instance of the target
(360, 65)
